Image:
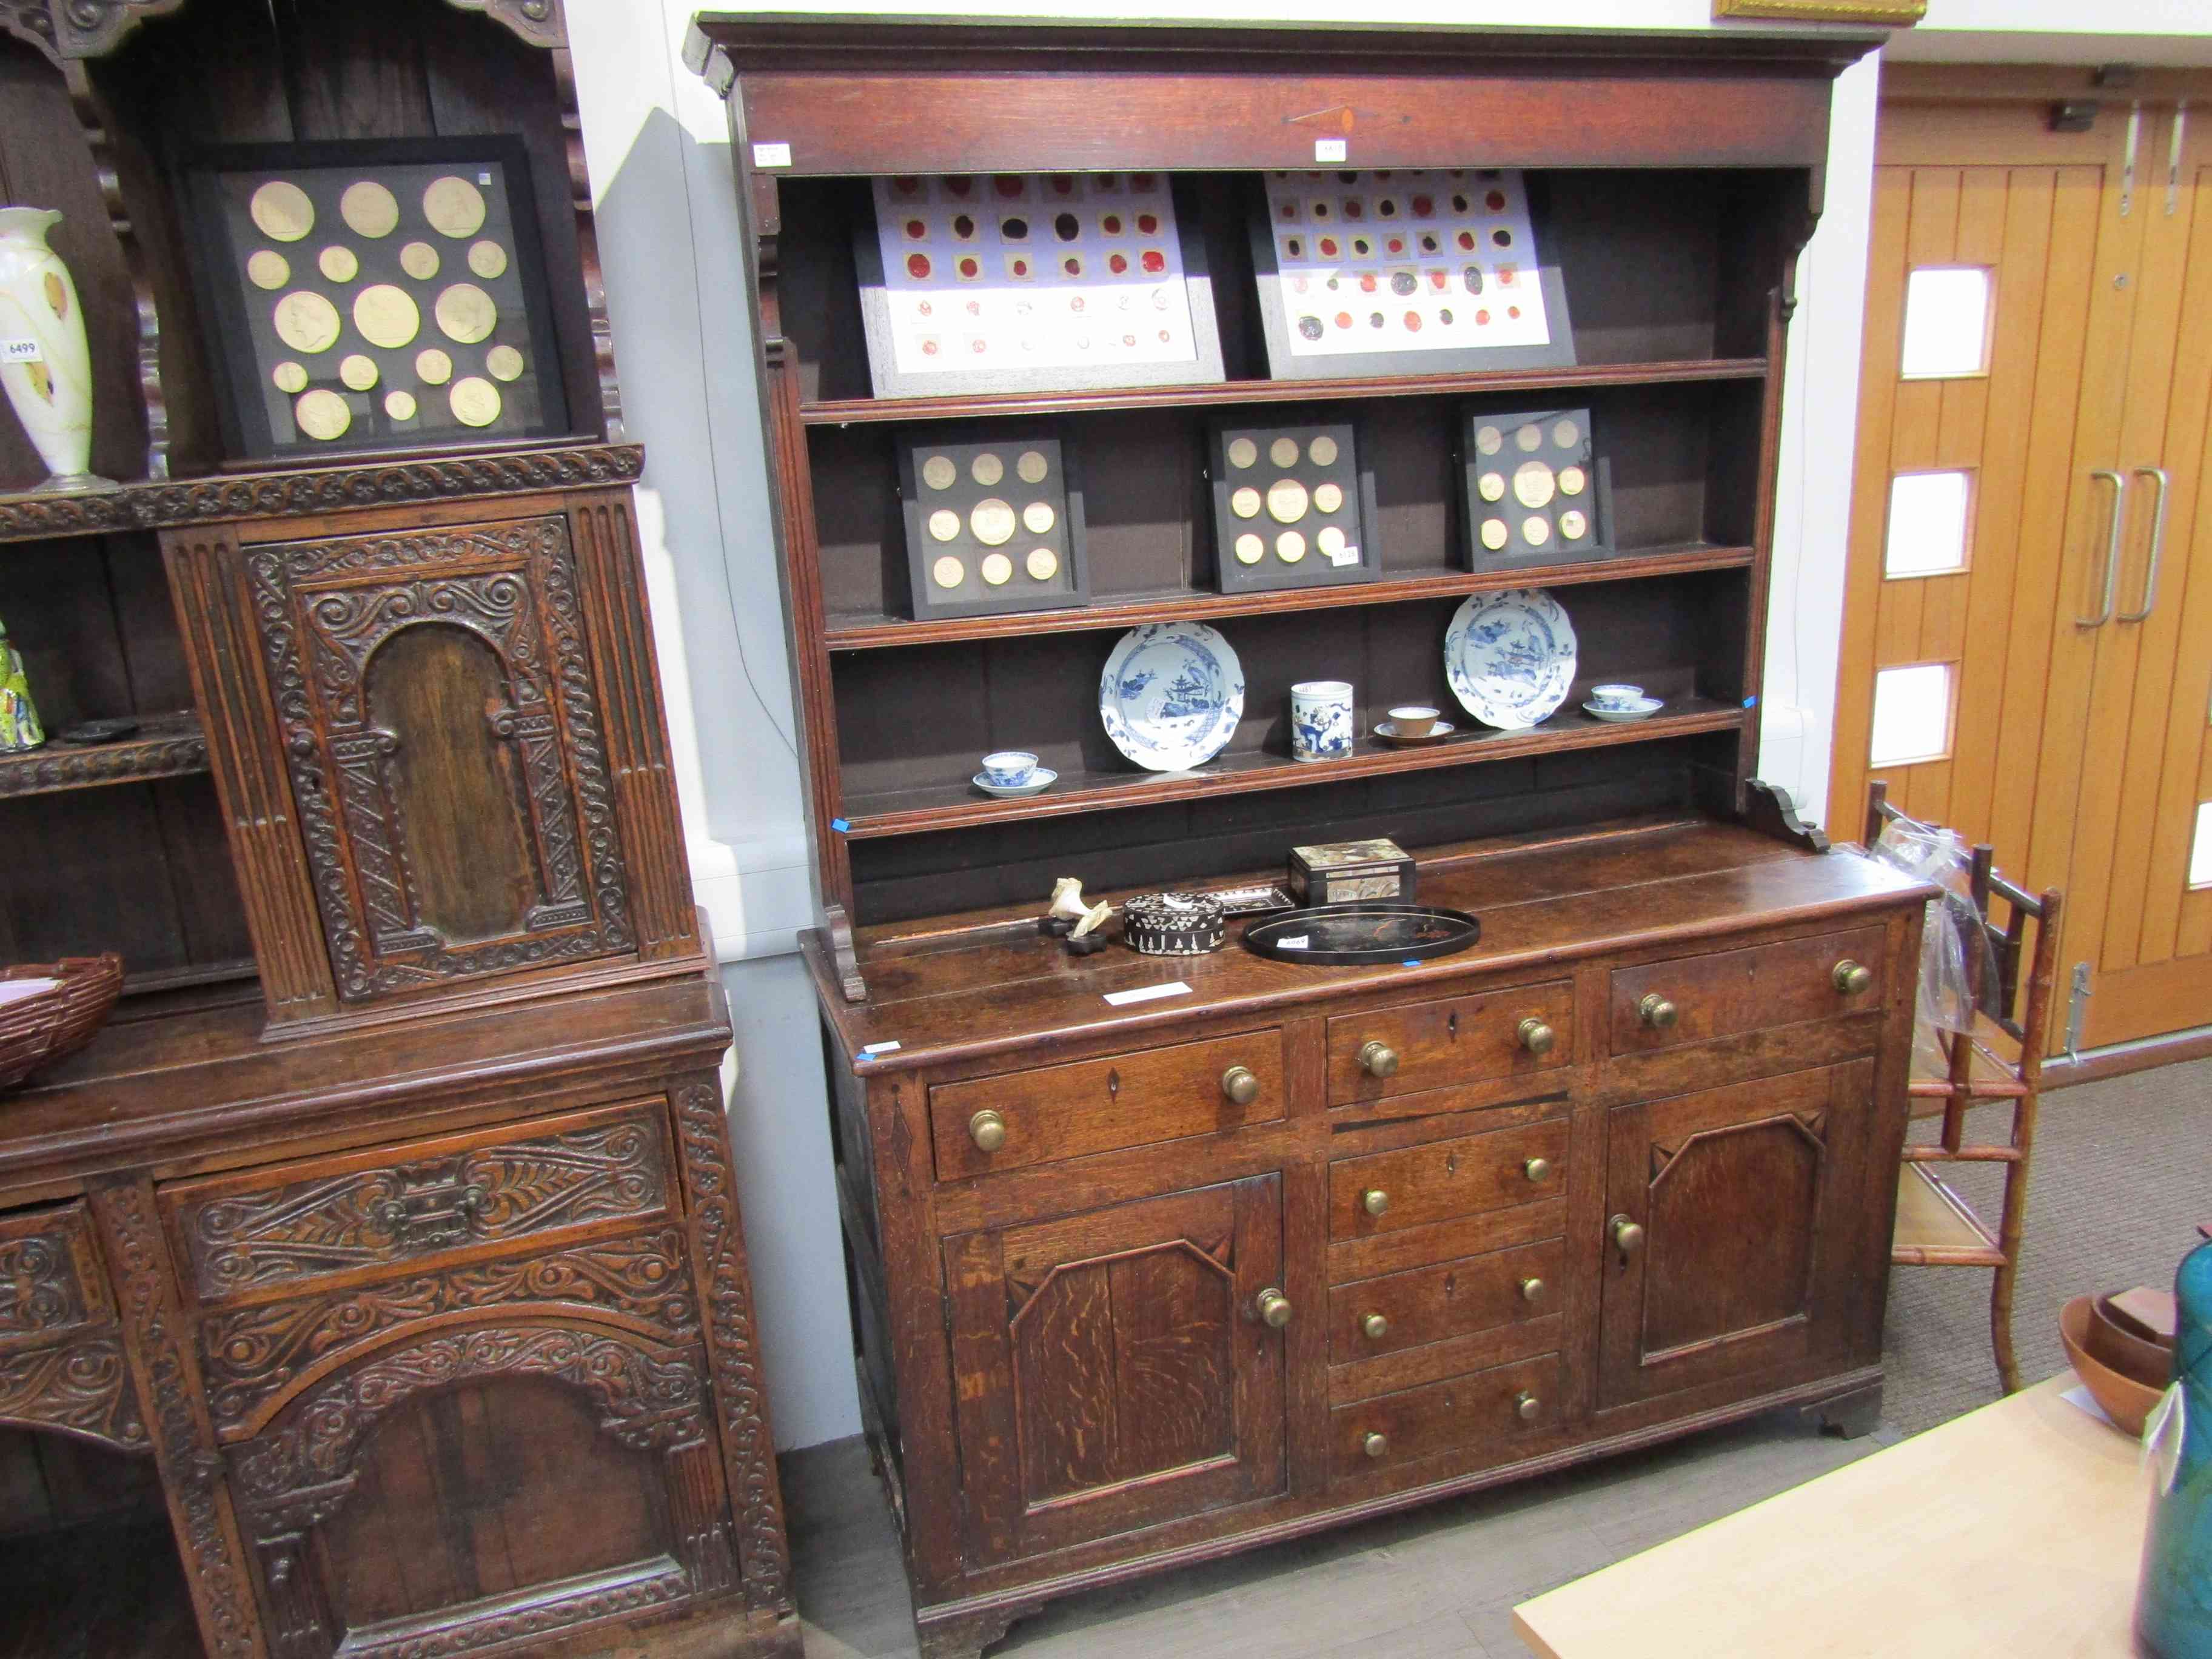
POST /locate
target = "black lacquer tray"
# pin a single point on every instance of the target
(1338, 935)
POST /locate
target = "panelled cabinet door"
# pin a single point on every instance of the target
(1112, 1369)
(441, 722)
(1727, 1216)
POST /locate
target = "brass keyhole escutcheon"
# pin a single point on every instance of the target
(1376, 1327)
(1240, 1084)
(1657, 1012)
(1527, 1407)
(1852, 978)
(1272, 1307)
(988, 1130)
(1374, 1445)
(1375, 1201)
(1113, 1085)
(1538, 1038)
(1451, 1025)
(1378, 1059)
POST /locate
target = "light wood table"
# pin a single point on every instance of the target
(2016, 1529)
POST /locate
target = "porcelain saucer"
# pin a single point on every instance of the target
(1388, 730)
(1642, 709)
(1040, 781)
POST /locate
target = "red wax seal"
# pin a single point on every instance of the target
(905, 185)
(1021, 267)
(968, 266)
(1328, 247)
(1495, 200)
(1071, 265)
(1064, 183)
(1423, 207)
(1141, 181)
(1128, 339)
(976, 344)
(1413, 321)
(1482, 316)
(1290, 210)
(1467, 241)
(1343, 319)
(1008, 184)
(1155, 262)
(916, 231)
(929, 348)
(1440, 280)
(1352, 209)
(1116, 264)
(1513, 311)
(1148, 222)
(917, 266)
(1111, 224)
(960, 185)
(1397, 245)
(1367, 282)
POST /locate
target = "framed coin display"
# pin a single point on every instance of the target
(1404, 273)
(1016, 282)
(994, 521)
(1534, 489)
(387, 296)
(1293, 505)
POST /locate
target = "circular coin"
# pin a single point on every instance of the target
(986, 469)
(1494, 533)
(338, 264)
(386, 316)
(267, 269)
(369, 210)
(991, 521)
(944, 524)
(454, 207)
(948, 572)
(400, 405)
(1290, 547)
(1530, 438)
(487, 259)
(1283, 451)
(1321, 451)
(1491, 486)
(323, 415)
(997, 568)
(1566, 435)
(1330, 540)
(358, 371)
(1043, 564)
(1039, 516)
(465, 312)
(419, 260)
(307, 322)
(1031, 466)
(939, 473)
(1535, 530)
(1532, 484)
(1573, 523)
(1245, 502)
(1489, 439)
(433, 366)
(282, 211)
(1329, 497)
(503, 362)
(1250, 549)
(475, 401)
(1286, 500)
(1572, 480)
(289, 377)
(1242, 452)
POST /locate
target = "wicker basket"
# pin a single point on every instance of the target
(53, 1024)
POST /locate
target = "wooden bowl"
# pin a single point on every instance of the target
(55, 1023)
(2127, 1399)
(2112, 1344)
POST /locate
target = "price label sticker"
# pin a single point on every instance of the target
(21, 351)
(1344, 555)
(771, 155)
(1148, 993)
(1297, 942)
(880, 1048)
(1331, 150)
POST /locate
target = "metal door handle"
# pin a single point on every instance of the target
(2111, 549)
(2157, 543)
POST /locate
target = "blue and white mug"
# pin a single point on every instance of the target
(1321, 719)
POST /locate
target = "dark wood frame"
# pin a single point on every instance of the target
(1270, 575)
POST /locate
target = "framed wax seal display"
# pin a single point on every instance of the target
(1018, 281)
(994, 521)
(1534, 489)
(1293, 505)
(1404, 273)
(386, 295)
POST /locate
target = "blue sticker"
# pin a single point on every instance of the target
(840, 826)
(1410, 962)
(1751, 702)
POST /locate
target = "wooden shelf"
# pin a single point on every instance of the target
(867, 633)
(846, 412)
(164, 746)
(953, 807)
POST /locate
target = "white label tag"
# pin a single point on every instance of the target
(21, 351)
(1344, 555)
(771, 155)
(1148, 993)
(1298, 944)
(878, 1048)
(1330, 149)
(483, 178)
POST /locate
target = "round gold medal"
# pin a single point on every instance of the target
(1038, 517)
(996, 570)
(1250, 549)
(1245, 502)
(986, 469)
(487, 259)
(386, 316)
(1532, 483)
(939, 473)
(1329, 497)
(1321, 451)
(369, 210)
(464, 313)
(475, 401)
(323, 415)
(358, 371)
(1290, 547)
(991, 522)
(289, 377)
(944, 524)
(1286, 500)
(282, 211)
(1494, 533)
(1043, 564)
(307, 322)
(433, 366)
(267, 269)
(454, 207)
(400, 405)
(338, 264)
(1242, 452)
(948, 572)
(419, 260)
(503, 362)
(1032, 466)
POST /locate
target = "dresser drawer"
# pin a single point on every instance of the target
(1452, 1298)
(1691, 998)
(1430, 1045)
(51, 1278)
(994, 1123)
(320, 1219)
(1416, 1185)
(1485, 1406)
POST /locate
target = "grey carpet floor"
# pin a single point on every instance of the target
(2123, 1172)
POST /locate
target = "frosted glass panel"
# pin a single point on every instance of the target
(1946, 322)
(2200, 850)
(1927, 523)
(1912, 713)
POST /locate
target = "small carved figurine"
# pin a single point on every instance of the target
(19, 718)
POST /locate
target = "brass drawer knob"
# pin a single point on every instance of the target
(1657, 1012)
(1853, 979)
(1532, 1289)
(988, 1130)
(1627, 1236)
(1537, 1169)
(1376, 1327)
(1375, 1201)
(1536, 1037)
(1527, 1407)
(1378, 1059)
(1239, 1084)
(1376, 1444)
(1272, 1307)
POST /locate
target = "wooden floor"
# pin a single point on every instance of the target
(101, 1591)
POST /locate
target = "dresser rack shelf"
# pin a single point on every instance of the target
(164, 746)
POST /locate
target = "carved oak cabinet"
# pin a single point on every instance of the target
(1270, 1246)
(383, 1249)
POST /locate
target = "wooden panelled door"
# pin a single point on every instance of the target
(2027, 634)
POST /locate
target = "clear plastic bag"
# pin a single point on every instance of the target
(1955, 958)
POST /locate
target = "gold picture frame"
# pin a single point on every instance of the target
(1892, 14)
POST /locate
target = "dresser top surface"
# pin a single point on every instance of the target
(994, 989)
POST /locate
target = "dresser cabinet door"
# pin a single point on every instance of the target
(441, 721)
(1727, 1233)
(1113, 1369)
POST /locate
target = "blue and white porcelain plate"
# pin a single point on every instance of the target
(1509, 657)
(1171, 695)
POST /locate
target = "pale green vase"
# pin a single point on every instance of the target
(45, 364)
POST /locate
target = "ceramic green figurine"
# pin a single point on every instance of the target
(19, 717)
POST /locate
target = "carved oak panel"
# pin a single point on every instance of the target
(441, 722)
(51, 1279)
(324, 1218)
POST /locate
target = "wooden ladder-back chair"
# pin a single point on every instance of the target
(2002, 1060)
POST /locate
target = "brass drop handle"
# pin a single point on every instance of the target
(1537, 1169)
(1627, 1236)
(988, 1130)
(1272, 1307)
(1240, 1084)
(1378, 1059)
(1657, 1012)
(1375, 1201)
(1527, 1407)
(472, 1199)
(1532, 1289)
(1376, 1444)
(1852, 978)
(1376, 1327)
(1537, 1037)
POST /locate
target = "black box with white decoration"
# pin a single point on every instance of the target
(1340, 872)
(1174, 923)
(1293, 505)
(1534, 489)
(994, 521)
